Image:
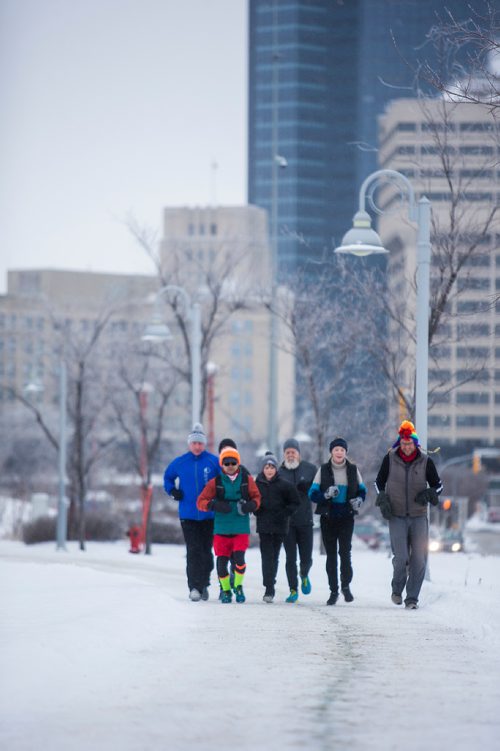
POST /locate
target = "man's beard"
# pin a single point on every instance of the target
(291, 464)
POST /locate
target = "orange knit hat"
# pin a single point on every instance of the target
(229, 453)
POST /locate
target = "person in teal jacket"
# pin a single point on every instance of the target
(184, 479)
(233, 495)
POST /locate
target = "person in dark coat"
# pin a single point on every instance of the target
(300, 535)
(279, 500)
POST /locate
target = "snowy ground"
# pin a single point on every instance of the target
(102, 650)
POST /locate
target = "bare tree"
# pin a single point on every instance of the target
(468, 56)
(138, 378)
(221, 285)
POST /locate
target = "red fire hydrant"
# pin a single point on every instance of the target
(135, 539)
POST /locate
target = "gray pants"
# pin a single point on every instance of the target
(409, 542)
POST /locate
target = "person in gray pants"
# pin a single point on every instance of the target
(406, 482)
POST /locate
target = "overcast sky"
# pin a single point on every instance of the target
(112, 107)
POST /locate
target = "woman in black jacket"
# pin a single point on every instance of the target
(279, 500)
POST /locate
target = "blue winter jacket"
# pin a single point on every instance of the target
(193, 473)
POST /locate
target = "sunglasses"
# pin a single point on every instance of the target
(230, 463)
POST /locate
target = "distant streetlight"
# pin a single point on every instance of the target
(157, 330)
(362, 240)
(35, 387)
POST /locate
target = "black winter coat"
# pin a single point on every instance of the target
(279, 500)
(302, 478)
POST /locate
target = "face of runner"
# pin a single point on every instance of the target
(196, 447)
(269, 471)
(230, 466)
(338, 454)
(407, 446)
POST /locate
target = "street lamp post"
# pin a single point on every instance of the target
(362, 240)
(61, 500)
(157, 330)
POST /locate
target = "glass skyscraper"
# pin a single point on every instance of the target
(320, 72)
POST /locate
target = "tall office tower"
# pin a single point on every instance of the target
(449, 151)
(319, 74)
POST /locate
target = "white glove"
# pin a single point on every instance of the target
(331, 492)
(356, 503)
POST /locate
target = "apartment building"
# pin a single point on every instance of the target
(450, 153)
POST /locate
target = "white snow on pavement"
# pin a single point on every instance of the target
(103, 650)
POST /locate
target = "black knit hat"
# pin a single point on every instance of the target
(226, 442)
(291, 443)
(338, 442)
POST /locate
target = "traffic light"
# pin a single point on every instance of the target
(447, 504)
(476, 463)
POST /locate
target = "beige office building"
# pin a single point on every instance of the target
(229, 246)
(450, 153)
(44, 310)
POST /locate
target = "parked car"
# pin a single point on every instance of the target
(446, 541)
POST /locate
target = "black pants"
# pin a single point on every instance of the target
(270, 546)
(198, 537)
(301, 538)
(337, 537)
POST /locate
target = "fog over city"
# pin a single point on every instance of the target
(110, 109)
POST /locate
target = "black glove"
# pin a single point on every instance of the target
(303, 485)
(384, 503)
(246, 507)
(177, 494)
(429, 495)
(222, 507)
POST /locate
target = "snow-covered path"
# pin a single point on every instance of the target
(102, 650)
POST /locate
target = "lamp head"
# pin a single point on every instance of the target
(361, 240)
(156, 331)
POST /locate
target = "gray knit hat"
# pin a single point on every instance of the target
(197, 434)
(291, 443)
(268, 458)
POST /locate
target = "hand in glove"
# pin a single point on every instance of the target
(331, 492)
(222, 507)
(245, 507)
(356, 503)
(429, 495)
(177, 494)
(384, 503)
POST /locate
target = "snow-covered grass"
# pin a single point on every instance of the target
(103, 650)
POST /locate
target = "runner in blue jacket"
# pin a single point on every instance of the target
(184, 479)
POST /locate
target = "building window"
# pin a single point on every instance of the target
(213, 229)
(441, 421)
(473, 397)
(473, 421)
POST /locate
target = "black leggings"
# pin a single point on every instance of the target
(238, 560)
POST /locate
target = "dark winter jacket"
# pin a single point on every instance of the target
(192, 474)
(302, 478)
(279, 500)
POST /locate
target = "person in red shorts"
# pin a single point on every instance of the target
(233, 495)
